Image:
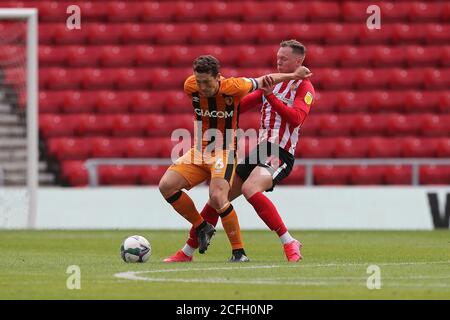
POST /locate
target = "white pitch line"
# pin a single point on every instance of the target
(135, 275)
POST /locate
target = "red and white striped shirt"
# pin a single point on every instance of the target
(282, 112)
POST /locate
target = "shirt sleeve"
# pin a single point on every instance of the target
(303, 101)
(251, 101)
(190, 85)
(238, 86)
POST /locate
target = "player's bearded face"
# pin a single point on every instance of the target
(207, 84)
(287, 61)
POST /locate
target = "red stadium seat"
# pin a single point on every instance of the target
(384, 147)
(173, 78)
(130, 125)
(387, 101)
(408, 33)
(296, 177)
(118, 175)
(95, 125)
(323, 11)
(261, 56)
(51, 101)
(336, 33)
(398, 175)
(123, 11)
(167, 147)
(394, 12)
(372, 78)
(151, 175)
(419, 148)
(367, 175)
(387, 56)
(47, 33)
(52, 11)
(333, 79)
(83, 56)
(147, 101)
(240, 33)
(142, 148)
(320, 56)
(434, 175)
(444, 102)
(97, 78)
(134, 79)
(99, 33)
(157, 11)
(406, 78)
(203, 33)
(316, 148)
(107, 148)
(115, 56)
(423, 56)
(351, 148)
(79, 101)
(49, 56)
(112, 102)
(435, 125)
(225, 11)
(310, 126)
(403, 125)
(269, 33)
(132, 33)
(445, 58)
(381, 36)
(353, 56)
(185, 55)
(331, 175)
(349, 102)
(61, 79)
(62, 35)
(290, 11)
(93, 11)
(258, 12)
(152, 55)
(421, 101)
(333, 125)
(437, 33)
(370, 125)
(353, 11)
(74, 173)
(437, 78)
(327, 101)
(68, 149)
(309, 33)
(165, 125)
(51, 125)
(443, 148)
(172, 34)
(177, 102)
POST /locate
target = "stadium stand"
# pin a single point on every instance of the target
(114, 88)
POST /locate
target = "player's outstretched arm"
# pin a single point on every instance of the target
(302, 72)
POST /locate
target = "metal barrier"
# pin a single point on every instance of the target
(93, 164)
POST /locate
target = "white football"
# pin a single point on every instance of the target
(135, 249)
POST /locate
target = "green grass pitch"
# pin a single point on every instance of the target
(413, 265)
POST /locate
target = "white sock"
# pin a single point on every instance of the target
(188, 250)
(286, 238)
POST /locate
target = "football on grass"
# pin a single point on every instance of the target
(135, 249)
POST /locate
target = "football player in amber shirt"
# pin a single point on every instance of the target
(216, 105)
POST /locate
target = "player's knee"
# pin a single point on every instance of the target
(166, 187)
(218, 199)
(249, 189)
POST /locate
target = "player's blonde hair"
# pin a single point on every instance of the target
(296, 46)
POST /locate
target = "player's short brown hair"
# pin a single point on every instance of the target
(296, 46)
(207, 64)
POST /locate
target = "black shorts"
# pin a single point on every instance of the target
(278, 161)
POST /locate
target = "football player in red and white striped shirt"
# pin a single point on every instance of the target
(284, 108)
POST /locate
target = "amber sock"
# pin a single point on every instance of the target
(231, 226)
(184, 205)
